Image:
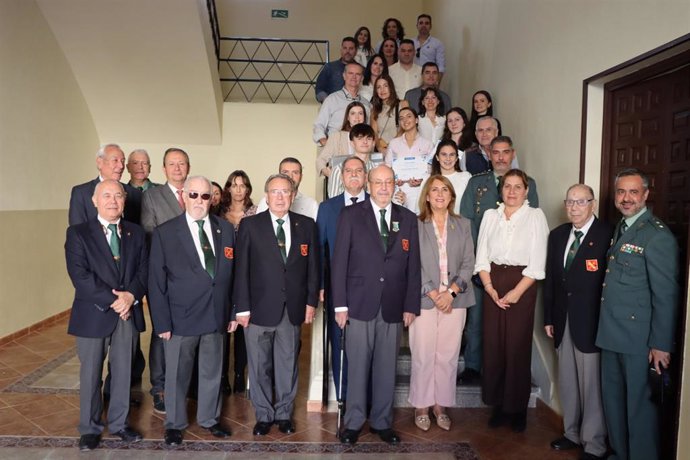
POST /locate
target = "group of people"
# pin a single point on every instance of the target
(442, 235)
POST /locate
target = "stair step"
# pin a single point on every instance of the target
(465, 395)
(404, 365)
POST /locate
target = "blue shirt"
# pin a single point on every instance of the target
(330, 79)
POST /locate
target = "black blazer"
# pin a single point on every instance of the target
(364, 277)
(81, 206)
(576, 294)
(183, 297)
(264, 284)
(95, 274)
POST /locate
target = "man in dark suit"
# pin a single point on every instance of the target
(639, 305)
(190, 280)
(110, 161)
(159, 205)
(107, 262)
(276, 290)
(354, 177)
(376, 281)
(575, 269)
(482, 194)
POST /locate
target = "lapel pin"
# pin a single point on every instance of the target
(591, 243)
(217, 230)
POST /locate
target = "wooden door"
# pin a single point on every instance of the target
(647, 126)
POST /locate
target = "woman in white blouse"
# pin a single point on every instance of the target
(431, 119)
(511, 255)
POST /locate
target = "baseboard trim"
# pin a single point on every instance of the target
(34, 327)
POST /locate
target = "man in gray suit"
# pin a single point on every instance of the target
(159, 205)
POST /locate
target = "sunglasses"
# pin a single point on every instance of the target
(195, 195)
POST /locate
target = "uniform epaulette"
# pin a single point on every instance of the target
(657, 223)
(483, 173)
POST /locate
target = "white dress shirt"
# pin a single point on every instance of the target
(194, 229)
(571, 238)
(108, 233)
(521, 240)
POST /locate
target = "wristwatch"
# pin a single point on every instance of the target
(452, 293)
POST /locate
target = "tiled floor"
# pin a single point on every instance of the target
(38, 398)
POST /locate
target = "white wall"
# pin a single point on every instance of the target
(45, 127)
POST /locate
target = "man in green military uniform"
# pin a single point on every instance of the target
(637, 319)
(482, 194)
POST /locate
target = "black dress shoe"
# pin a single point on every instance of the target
(159, 402)
(173, 437)
(518, 422)
(497, 418)
(128, 435)
(239, 383)
(349, 436)
(564, 443)
(262, 428)
(470, 376)
(218, 430)
(386, 435)
(285, 426)
(89, 442)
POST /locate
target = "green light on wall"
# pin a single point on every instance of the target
(279, 14)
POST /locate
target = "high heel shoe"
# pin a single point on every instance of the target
(442, 420)
(422, 421)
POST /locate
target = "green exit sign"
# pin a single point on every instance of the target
(279, 14)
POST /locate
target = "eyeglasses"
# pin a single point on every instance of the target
(279, 192)
(195, 195)
(581, 202)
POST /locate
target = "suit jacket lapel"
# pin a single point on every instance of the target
(270, 237)
(395, 223)
(217, 241)
(171, 200)
(430, 235)
(187, 242)
(103, 247)
(372, 223)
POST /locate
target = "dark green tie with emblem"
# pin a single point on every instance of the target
(384, 229)
(573, 249)
(280, 236)
(114, 243)
(209, 258)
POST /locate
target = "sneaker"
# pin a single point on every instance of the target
(159, 403)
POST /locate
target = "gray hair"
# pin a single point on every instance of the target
(634, 172)
(148, 158)
(193, 178)
(101, 151)
(382, 165)
(582, 186)
(487, 117)
(293, 188)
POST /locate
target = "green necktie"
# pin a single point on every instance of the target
(623, 228)
(209, 258)
(280, 235)
(573, 249)
(498, 189)
(384, 229)
(114, 243)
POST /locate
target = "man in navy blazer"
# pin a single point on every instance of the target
(575, 269)
(107, 261)
(110, 161)
(376, 281)
(354, 177)
(190, 282)
(276, 290)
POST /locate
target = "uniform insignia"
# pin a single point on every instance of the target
(395, 226)
(405, 245)
(632, 249)
(304, 250)
(229, 253)
(592, 265)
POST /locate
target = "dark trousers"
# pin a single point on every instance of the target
(507, 357)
